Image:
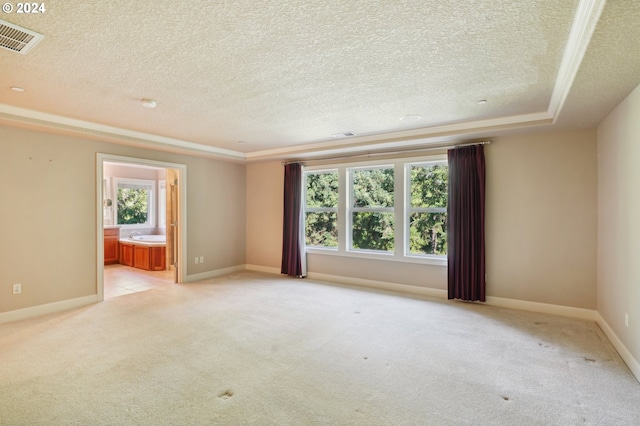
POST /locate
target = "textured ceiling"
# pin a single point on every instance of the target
(283, 76)
(611, 68)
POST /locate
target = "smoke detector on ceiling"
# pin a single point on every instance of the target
(17, 39)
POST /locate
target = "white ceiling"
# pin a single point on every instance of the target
(283, 76)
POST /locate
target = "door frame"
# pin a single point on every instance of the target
(182, 211)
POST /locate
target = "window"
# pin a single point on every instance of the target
(372, 208)
(321, 208)
(427, 208)
(135, 202)
(391, 208)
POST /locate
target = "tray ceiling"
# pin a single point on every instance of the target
(276, 79)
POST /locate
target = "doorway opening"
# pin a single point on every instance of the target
(140, 230)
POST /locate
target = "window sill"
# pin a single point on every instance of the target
(390, 257)
(135, 226)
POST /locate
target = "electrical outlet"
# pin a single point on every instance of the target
(201, 259)
(17, 288)
(626, 319)
(197, 259)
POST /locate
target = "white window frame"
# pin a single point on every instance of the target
(351, 209)
(400, 204)
(408, 209)
(307, 209)
(151, 202)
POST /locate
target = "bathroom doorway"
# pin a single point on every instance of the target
(140, 228)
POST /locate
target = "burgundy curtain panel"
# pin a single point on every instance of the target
(465, 224)
(292, 257)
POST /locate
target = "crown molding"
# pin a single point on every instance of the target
(61, 123)
(585, 21)
(406, 138)
(584, 24)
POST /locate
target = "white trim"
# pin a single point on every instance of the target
(49, 308)
(380, 285)
(24, 115)
(213, 274)
(421, 137)
(522, 305)
(265, 269)
(99, 228)
(584, 24)
(625, 354)
(379, 256)
(544, 308)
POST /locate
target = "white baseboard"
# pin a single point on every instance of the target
(628, 358)
(545, 308)
(213, 274)
(265, 269)
(567, 311)
(49, 308)
(523, 305)
(380, 285)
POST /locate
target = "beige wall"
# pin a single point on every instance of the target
(540, 225)
(265, 198)
(541, 218)
(48, 189)
(216, 214)
(619, 221)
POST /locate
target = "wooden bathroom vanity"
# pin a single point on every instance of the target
(111, 245)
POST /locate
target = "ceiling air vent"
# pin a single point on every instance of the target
(17, 39)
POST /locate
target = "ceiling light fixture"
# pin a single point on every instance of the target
(482, 101)
(343, 135)
(149, 103)
(408, 118)
(17, 89)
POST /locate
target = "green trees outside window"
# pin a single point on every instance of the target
(132, 206)
(321, 209)
(372, 210)
(372, 217)
(428, 209)
(134, 201)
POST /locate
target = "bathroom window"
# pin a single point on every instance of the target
(135, 201)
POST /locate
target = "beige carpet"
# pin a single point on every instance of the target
(252, 349)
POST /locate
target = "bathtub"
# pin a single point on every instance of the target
(145, 240)
(150, 238)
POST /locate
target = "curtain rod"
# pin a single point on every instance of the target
(401, 151)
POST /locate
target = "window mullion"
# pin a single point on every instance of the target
(373, 209)
(399, 207)
(344, 206)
